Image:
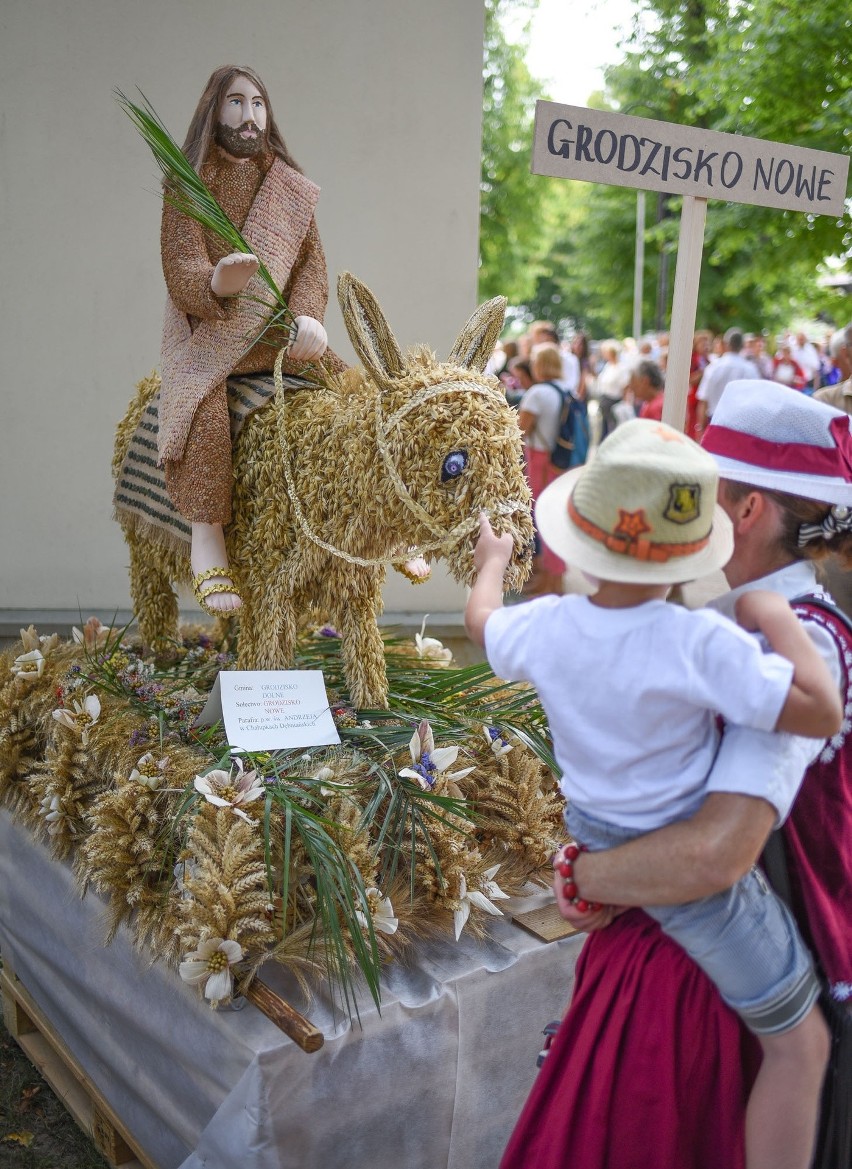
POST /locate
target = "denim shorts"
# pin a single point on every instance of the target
(745, 939)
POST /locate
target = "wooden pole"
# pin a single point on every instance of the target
(287, 1018)
(638, 265)
(684, 307)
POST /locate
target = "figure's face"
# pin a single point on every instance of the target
(241, 129)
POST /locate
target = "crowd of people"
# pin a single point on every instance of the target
(616, 381)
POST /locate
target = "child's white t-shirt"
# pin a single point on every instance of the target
(631, 697)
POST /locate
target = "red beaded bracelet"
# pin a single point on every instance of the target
(565, 869)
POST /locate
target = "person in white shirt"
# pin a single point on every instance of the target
(640, 518)
(731, 366)
(612, 380)
(805, 353)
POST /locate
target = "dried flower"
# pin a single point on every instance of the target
(92, 636)
(430, 648)
(326, 631)
(496, 742)
(54, 814)
(31, 640)
(149, 771)
(478, 897)
(184, 871)
(227, 791)
(81, 717)
(210, 967)
(430, 762)
(381, 912)
(29, 667)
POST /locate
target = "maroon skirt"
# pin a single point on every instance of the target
(649, 1069)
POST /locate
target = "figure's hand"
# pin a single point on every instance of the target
(232, 273)
(311, 340)
(491, 547)
(417, 570)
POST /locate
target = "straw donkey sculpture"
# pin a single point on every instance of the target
(335, 482)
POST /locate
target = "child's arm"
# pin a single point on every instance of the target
(491, 558)
(813, 705)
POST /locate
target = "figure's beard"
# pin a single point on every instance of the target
(228, 137)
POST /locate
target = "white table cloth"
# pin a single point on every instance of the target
(436, 1080)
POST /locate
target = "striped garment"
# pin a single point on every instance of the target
(140, 491)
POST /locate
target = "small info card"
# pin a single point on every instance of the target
(270, 710)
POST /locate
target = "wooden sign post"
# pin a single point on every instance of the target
(598, 147)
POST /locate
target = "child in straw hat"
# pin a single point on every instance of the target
(632, 688)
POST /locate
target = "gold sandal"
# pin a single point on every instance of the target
(201, 593)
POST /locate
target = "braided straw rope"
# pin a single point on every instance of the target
(445, 539)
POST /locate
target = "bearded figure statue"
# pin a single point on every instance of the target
(211, 331)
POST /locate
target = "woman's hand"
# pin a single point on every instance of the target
(585, 920)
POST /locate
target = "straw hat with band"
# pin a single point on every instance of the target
(773, 437)
(643, 511)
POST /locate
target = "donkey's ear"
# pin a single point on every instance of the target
(476, 341)
(368, 330)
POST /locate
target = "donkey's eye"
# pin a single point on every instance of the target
(453, 465)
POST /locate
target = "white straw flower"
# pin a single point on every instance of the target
(81, 717)
(29, 667)
(430, 648)
(149, 771)
(226, 791)
(478, 897)
(381, 911)
(429, 763)
(210, 967)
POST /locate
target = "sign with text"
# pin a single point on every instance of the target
(598, 147)
(270, 710)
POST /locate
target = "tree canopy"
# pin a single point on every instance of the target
(762, 68)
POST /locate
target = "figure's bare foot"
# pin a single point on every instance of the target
(213, 587)
(233, 272)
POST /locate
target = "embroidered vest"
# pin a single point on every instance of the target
(818, 832)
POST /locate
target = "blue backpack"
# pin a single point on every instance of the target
(572, 441)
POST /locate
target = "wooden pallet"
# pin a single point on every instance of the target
(47, 1052)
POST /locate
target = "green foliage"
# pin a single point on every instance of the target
(761, 68)
(511, 199)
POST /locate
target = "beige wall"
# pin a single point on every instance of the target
(380, 102)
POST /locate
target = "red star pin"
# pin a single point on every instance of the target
(631, 523)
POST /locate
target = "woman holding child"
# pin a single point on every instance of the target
(650, 1069)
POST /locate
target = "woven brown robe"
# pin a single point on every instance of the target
(205, 338)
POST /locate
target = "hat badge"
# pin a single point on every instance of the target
(684, 503)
